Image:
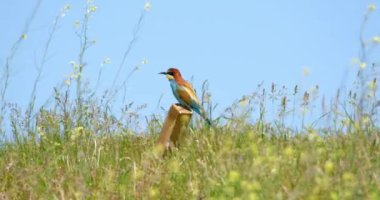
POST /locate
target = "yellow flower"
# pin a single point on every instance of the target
(363, 65)
(92, 8)
(254, 149)
(376, 39)
(73, 64)
(306, 71)
(67, 82)
(371, 7)
(372, 85)
(76, 132)
(234, 176)
(313, 135)
(41, 132)
(289, 151)
(153, 192)
(329, 167)
(147, 6)
(24, 36)
(348, 177)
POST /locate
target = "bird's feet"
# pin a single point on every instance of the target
(183, 106)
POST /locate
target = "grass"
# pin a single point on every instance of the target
(216, 164)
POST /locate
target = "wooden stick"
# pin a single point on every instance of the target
(175, 125)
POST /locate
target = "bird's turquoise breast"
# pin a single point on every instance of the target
(175, 87)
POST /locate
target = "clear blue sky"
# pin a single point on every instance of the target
(235, 45)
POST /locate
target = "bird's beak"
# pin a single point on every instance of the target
(164, 73)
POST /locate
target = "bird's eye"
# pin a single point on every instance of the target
(171, 73)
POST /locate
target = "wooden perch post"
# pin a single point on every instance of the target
(174, 127)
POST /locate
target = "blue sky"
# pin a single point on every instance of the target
(235, 45)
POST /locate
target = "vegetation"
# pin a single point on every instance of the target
(217, 164)
(78, 149)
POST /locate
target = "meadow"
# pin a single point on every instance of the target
(263, 146)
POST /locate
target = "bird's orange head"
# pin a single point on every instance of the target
(172, 73)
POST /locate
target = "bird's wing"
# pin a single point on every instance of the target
(188, 95)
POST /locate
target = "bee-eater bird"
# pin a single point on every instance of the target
(184, 92)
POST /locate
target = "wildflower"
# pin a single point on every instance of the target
(254, 149)
(234, 176)
(329, 166)
(66, 7)
(74, 76)
(76, 24)
(74, 65)
(41, 132)
(274, 171)
(251, 186)
(314, 90)
(371, 7)
(243, 101)
(373, 85)
(106, 61)
(153, 193)
(289, 151)
(362, 65)
(144, 61)
(147, 6)
(306, 71)
(254, 196)
(348, 178)
(92, 9)
(24, 36)
(334, 196)
(376, 39)
(76, 132)
(313, 135)
(67, 82)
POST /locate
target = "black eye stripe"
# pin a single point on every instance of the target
(171, 73)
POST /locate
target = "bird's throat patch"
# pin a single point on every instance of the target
(169, 77)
